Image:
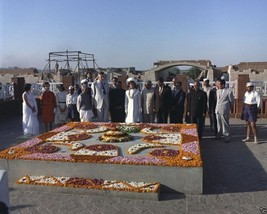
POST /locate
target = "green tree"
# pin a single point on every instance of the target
(173, 70)
(193, 72)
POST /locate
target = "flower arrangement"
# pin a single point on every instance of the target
(62, 128)
(73, 145)
(129, 128)
(136, 160)
(111, 126)
(151, 130)
(141, 146)
(171, 128)
(115, 136)
(192, 147)
(85, 125)
(48, 148)
(164, 153)
(29, 143)
(191, 131)
(182, 136)
(75, 182)
(47, 156)
(165, 139)
(80, 136)
(152, 138)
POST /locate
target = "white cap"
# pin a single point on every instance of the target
(131, 79)
(71, 87)
(84, 81)
(249, 84)
(191, 84)
(222, 77)
(206, 79)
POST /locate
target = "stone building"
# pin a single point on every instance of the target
(257, 71)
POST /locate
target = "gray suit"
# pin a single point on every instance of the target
(225, 102)
(100, 92)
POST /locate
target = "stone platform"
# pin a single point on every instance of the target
(172, 178)
(179, 179)
(151, 196)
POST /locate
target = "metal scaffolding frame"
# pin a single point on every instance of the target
(82, 61)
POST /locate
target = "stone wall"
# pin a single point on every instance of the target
(256, 66)
(253, 76)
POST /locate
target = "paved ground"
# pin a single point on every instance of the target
(235, 181)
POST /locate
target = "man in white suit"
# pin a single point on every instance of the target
(225, 102)
(100, 90)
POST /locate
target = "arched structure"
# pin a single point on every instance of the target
(159, 66)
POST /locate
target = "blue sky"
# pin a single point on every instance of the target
(124, 33)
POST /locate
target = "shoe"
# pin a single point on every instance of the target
(245, 140)
(256, 141)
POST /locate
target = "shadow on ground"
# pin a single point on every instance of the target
(232, 167)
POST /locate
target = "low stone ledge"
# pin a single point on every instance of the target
(84, 186)
(4, 192)
(96, 192)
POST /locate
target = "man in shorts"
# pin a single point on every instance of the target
(252, 103)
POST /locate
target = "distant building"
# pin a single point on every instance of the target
(30, 74)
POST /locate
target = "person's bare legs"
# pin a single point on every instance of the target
(248, 129)
(247, 132)
(254, 131)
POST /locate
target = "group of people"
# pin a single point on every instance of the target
(148, 105)
(218, 101)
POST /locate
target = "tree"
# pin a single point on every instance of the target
(173, 70)
(193, 72)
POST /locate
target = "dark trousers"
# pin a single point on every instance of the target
(176, 116)
(117, 115)
(162, 116)
(200, 124)
(213, 122)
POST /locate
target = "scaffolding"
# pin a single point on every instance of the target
(73, 62)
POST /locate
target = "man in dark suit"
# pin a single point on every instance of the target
(211, 110)
(197, 107)
(163, 101)
(177, 103)
(116, 101)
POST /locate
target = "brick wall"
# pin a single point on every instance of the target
(67, 81)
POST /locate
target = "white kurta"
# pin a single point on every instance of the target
(61, 117)
(30, 122)
(133, 106)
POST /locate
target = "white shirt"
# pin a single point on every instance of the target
(71, 99)
(207, 90)
(252, 98)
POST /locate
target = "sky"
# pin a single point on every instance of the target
(133, 33)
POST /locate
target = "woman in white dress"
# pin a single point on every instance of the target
(30, 122)
(133, 108)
